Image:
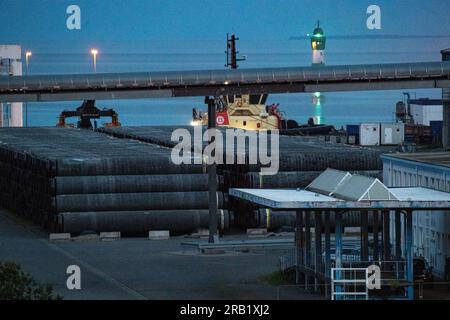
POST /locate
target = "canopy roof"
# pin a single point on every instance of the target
(335, 189)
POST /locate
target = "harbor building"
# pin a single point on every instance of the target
(431, 229)
(11, 114)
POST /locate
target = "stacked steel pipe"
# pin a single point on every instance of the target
(123, 179)
(302, 159)
(77, 180)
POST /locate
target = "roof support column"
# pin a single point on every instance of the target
(364, 235)
(338, 235)
(327, 272)
(318, 248)
(376, 232)
(338, 243)
(307, 251)
(409, 255)
(398, 236)
(386, 236)
(299, 244)
(398, 242)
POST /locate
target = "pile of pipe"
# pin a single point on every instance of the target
(302, 159)
(72, 180)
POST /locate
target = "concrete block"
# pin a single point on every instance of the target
(200, 233)
(351, 139)
(59, 236)
(86, 237)
(159, 235)
(256, 232)
(109, 235)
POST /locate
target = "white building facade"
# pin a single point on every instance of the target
(431, 230)
(11, 114)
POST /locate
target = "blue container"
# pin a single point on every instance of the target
(436, 128)
(353, 130)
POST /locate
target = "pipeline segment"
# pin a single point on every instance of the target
(230, 78)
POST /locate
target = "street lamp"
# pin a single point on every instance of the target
(94, 53)
(28, 54)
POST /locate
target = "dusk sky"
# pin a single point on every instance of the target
(138, 25)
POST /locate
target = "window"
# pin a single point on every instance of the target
(254, 99)
(242, 113)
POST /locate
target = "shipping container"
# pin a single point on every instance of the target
(436, 128)
(392, 133)
(353, 130)
(369, 134)
(352, 134)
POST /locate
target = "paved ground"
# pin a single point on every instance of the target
(139, 268)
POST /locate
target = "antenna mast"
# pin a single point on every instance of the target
(232, 58)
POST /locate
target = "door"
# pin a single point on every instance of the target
(388, 139)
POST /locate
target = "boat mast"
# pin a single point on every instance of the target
(232, 58)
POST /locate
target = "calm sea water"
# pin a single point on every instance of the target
(338, 109)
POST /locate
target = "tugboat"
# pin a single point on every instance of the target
(250, 112)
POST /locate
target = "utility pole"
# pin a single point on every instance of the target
(232, 62)
(212, 175)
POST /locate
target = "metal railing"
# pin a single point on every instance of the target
(358, 282)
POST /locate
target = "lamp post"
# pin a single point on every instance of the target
(28, 55)
(94, 53)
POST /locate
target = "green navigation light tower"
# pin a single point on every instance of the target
(318, 42)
